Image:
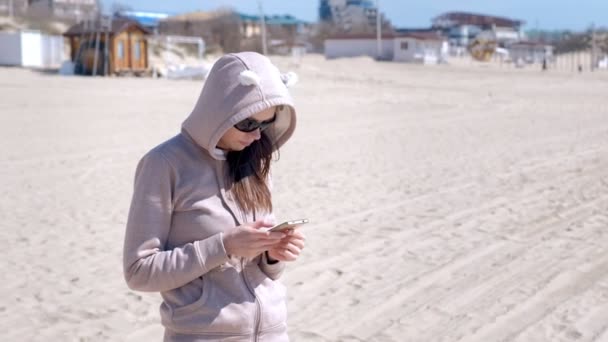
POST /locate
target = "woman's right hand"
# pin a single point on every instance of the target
(249, 240)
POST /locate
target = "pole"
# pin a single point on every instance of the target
(263, 20)
(106, 55)
(593, 47)
(11, 11)
(95, 58)
(378, 31)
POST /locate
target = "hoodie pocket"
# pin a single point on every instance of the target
(272, 296)
(189, 308)
(225, 307)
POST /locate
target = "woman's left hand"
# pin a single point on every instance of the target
(289, 248)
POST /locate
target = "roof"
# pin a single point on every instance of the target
(405, 30)
(144, 18)
(198, 15)
(285, 19)
(118, 25)
(415, 35)
(530, 44)
(360, 3)
(465, 18)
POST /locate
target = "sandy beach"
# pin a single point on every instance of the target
(447, 203)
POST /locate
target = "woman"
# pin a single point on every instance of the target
(196, 231)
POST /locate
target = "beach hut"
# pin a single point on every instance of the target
(30, 49)
(126, 51)
(531, 52)
(424, 48)
(357, 45)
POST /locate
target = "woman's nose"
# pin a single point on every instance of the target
(256, 134)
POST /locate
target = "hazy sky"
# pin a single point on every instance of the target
(546, 14)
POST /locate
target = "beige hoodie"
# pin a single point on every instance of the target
(181, 207)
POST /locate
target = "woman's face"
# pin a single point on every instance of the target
(235, 140)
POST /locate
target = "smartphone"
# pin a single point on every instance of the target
(287, 225)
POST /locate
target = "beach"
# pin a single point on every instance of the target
(447, 203)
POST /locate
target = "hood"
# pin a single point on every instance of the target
(238, 86)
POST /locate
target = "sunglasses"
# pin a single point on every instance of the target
(250, 125)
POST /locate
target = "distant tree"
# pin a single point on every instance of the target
(572, 42)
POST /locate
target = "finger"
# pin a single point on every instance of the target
(289, 255)
(293, 249)
(262, 223)
(298, 234)
(283, 256)
(294, 239)
(276, 235)
(262, 235)
(298, 243)
(265, 245)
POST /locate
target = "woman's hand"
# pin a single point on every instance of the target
(249, 240)
(289, 248)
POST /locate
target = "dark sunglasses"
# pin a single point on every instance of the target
(250, 125)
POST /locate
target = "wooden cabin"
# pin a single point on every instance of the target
(127, 50)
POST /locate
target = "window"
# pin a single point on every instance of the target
(404, 45)
(137, 50)
(121, 50)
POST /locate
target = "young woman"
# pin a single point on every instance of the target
(201, 203)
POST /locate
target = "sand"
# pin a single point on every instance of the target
(447, 203)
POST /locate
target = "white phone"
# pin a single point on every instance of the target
(287, 225)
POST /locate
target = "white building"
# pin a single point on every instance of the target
(31, 49)
(426, 48)
(530, 52)
(358, 45)
(461, 27)
(420, 48)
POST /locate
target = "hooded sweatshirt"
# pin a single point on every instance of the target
(182, 206)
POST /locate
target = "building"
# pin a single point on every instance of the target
(232, 31)
(354, 16)
(425, 48)
(68, 9)
(461, 28)
(126, 50)
(14, 7)
(340, 46)
(283, 26)
(149, 20)
(30, 49)
(64, 9)
(530, 52)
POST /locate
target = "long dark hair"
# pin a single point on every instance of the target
(248, 174)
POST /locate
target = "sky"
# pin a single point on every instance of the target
(542, 14)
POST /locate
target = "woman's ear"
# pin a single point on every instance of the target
(249, 78)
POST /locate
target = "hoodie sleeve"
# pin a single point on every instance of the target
(147, 266)
(274, 270)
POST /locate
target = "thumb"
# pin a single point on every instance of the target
(261, 224)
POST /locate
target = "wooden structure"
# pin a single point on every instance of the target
(126, 51)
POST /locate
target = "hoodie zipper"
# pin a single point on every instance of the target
(258, 306)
